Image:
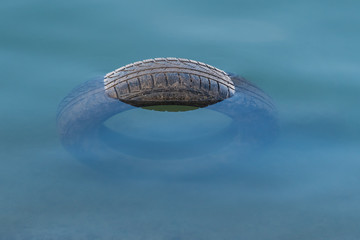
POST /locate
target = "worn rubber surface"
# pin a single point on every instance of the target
(169, 81)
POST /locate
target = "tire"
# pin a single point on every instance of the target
(82, 112)
(169, 81)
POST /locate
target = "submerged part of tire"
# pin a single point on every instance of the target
(83, 111)
(169, 81)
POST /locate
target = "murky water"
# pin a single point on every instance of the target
(304, 185)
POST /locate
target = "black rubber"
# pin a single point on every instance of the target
(169, 81)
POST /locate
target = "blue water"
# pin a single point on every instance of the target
(305, 185)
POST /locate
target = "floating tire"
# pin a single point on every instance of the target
(161, 81)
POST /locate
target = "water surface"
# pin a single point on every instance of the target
(305, 185)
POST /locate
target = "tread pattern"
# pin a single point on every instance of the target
(169, 81)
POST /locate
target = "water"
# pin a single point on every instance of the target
(302, 53)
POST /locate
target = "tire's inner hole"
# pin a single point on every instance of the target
(171, 108)
(169, 123)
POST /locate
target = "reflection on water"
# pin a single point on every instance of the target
(302, 186)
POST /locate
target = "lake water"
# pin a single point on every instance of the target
(304, 185)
